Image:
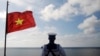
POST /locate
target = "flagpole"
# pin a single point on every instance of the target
(6, 29)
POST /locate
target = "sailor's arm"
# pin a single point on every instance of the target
(44, 52)
(62, 52)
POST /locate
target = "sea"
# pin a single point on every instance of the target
(70, 51)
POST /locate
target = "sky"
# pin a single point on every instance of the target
(76, 23)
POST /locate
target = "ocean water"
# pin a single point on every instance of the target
(38, 51)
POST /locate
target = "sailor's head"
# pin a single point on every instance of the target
(52, 36)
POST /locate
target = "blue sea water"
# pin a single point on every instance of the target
(38, 51)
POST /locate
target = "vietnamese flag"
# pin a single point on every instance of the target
(19, 21)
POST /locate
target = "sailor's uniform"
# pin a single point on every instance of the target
(58, 51)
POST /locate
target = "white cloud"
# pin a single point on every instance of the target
(90, 25)
(33, 37)
(80, 40)
(2, 15)
(29, 8)
(51, 29)
(67, 10)
(18, 2)
(50, 12)
(87, 6)
(22, 2)
(28, 4)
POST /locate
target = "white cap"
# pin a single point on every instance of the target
(52, 34)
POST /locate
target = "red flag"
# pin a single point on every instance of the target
(19, 21)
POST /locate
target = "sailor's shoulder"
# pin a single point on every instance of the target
(44, 46)
(58, 45)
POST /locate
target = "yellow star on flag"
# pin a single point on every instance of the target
(19, 21)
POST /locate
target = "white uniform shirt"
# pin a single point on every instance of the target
(58, 52)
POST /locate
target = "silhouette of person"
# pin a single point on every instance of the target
(52, 49)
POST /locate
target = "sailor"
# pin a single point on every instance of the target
(52, 49)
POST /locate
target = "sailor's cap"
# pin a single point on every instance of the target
(51, 35)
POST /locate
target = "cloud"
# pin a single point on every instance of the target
(80, 40)
(50, 12)
(90, 25)
(18, 2)
(87, 7)
(29, 8)
(70, 9)
(34, 37)
(28, 4)
(21, 2)
(3, 15)
(51, 29)
(31, 38)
